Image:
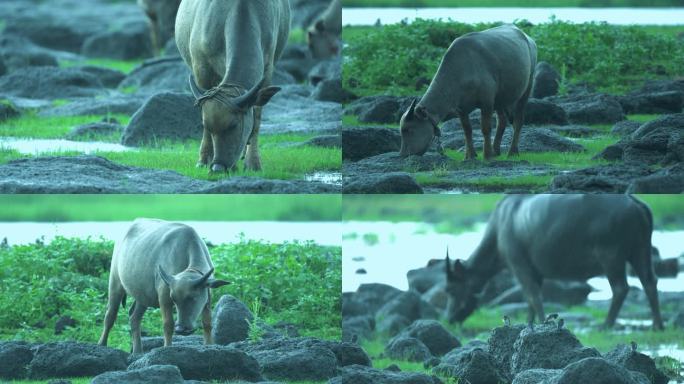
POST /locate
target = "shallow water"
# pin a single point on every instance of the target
(39, 146)
(332, 178)
(401, 247)
(622, 16)
(216, 232)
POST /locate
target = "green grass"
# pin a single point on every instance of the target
(125, 66)
(295, 282)
(59, 208)
(30, 125)
(508, 3)
(279, 161)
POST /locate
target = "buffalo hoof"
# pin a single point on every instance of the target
(218, 168)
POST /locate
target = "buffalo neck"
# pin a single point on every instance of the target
(484, 262)
(440, 100)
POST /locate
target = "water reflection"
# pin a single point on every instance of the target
(39, 146)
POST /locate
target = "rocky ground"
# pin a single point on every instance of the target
(513, 353)
(279, 355)
(37, 38)
(645, 157)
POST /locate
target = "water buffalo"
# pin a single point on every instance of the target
(161, 264)
(323, 36)
(161, 15)
(490, 70)
(573, 237)
(231, 47)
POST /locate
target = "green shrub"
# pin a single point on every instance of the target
(393, 58)
(39, 283)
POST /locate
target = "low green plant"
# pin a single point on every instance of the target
(41, 282)
(610, 57)
(255, 332)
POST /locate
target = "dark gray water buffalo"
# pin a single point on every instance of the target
(161, 264)
(324, 35)
(573, 237)
(161, 15)
(231, 47)
(490, 70)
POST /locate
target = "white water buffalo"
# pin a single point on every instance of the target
(490, 70)
(161, 264)
(572, 237)
(161, 15)
(324, 35)
(231, 47)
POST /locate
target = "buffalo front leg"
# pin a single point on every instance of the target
(135, 318)
(206, 150)
(470, 153)
(206, 322)
(252, 158)
(166, 307)
(486, 124)
(500, 128)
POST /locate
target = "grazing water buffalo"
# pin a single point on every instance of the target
(231, 47)
(323, 36)
(573, 237)
(161, 264)
(161, 15)
(490, 70)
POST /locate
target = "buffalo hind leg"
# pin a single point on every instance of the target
(501, 121)
(530, 283)
(618, 284)
(206, 322)
(650, 284)
(135, 318)
(252, 159)
(116, 296)
(470, 153)
(486, 124)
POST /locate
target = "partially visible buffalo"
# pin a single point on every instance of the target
(161, 15)
(572, 237)
(324, 35)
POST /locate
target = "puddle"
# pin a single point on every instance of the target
(39, 146)
(620, 16)
(331, 178)
(401, 247)
(217, 232)
(671, 350)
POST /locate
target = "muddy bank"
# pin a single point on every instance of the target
(93, 174)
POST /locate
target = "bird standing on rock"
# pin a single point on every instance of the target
(551, 318)
(561, 322)
(633, 345)
(507, 321)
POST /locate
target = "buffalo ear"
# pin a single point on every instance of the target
(420, 112)
(459, 269)
(265, 95)
(214, 283)
(168, 279)
(320, 26)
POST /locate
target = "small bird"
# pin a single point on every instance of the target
(551, 318)
(561, 322)
(633, 345)
(507, 321)
(355, 339)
